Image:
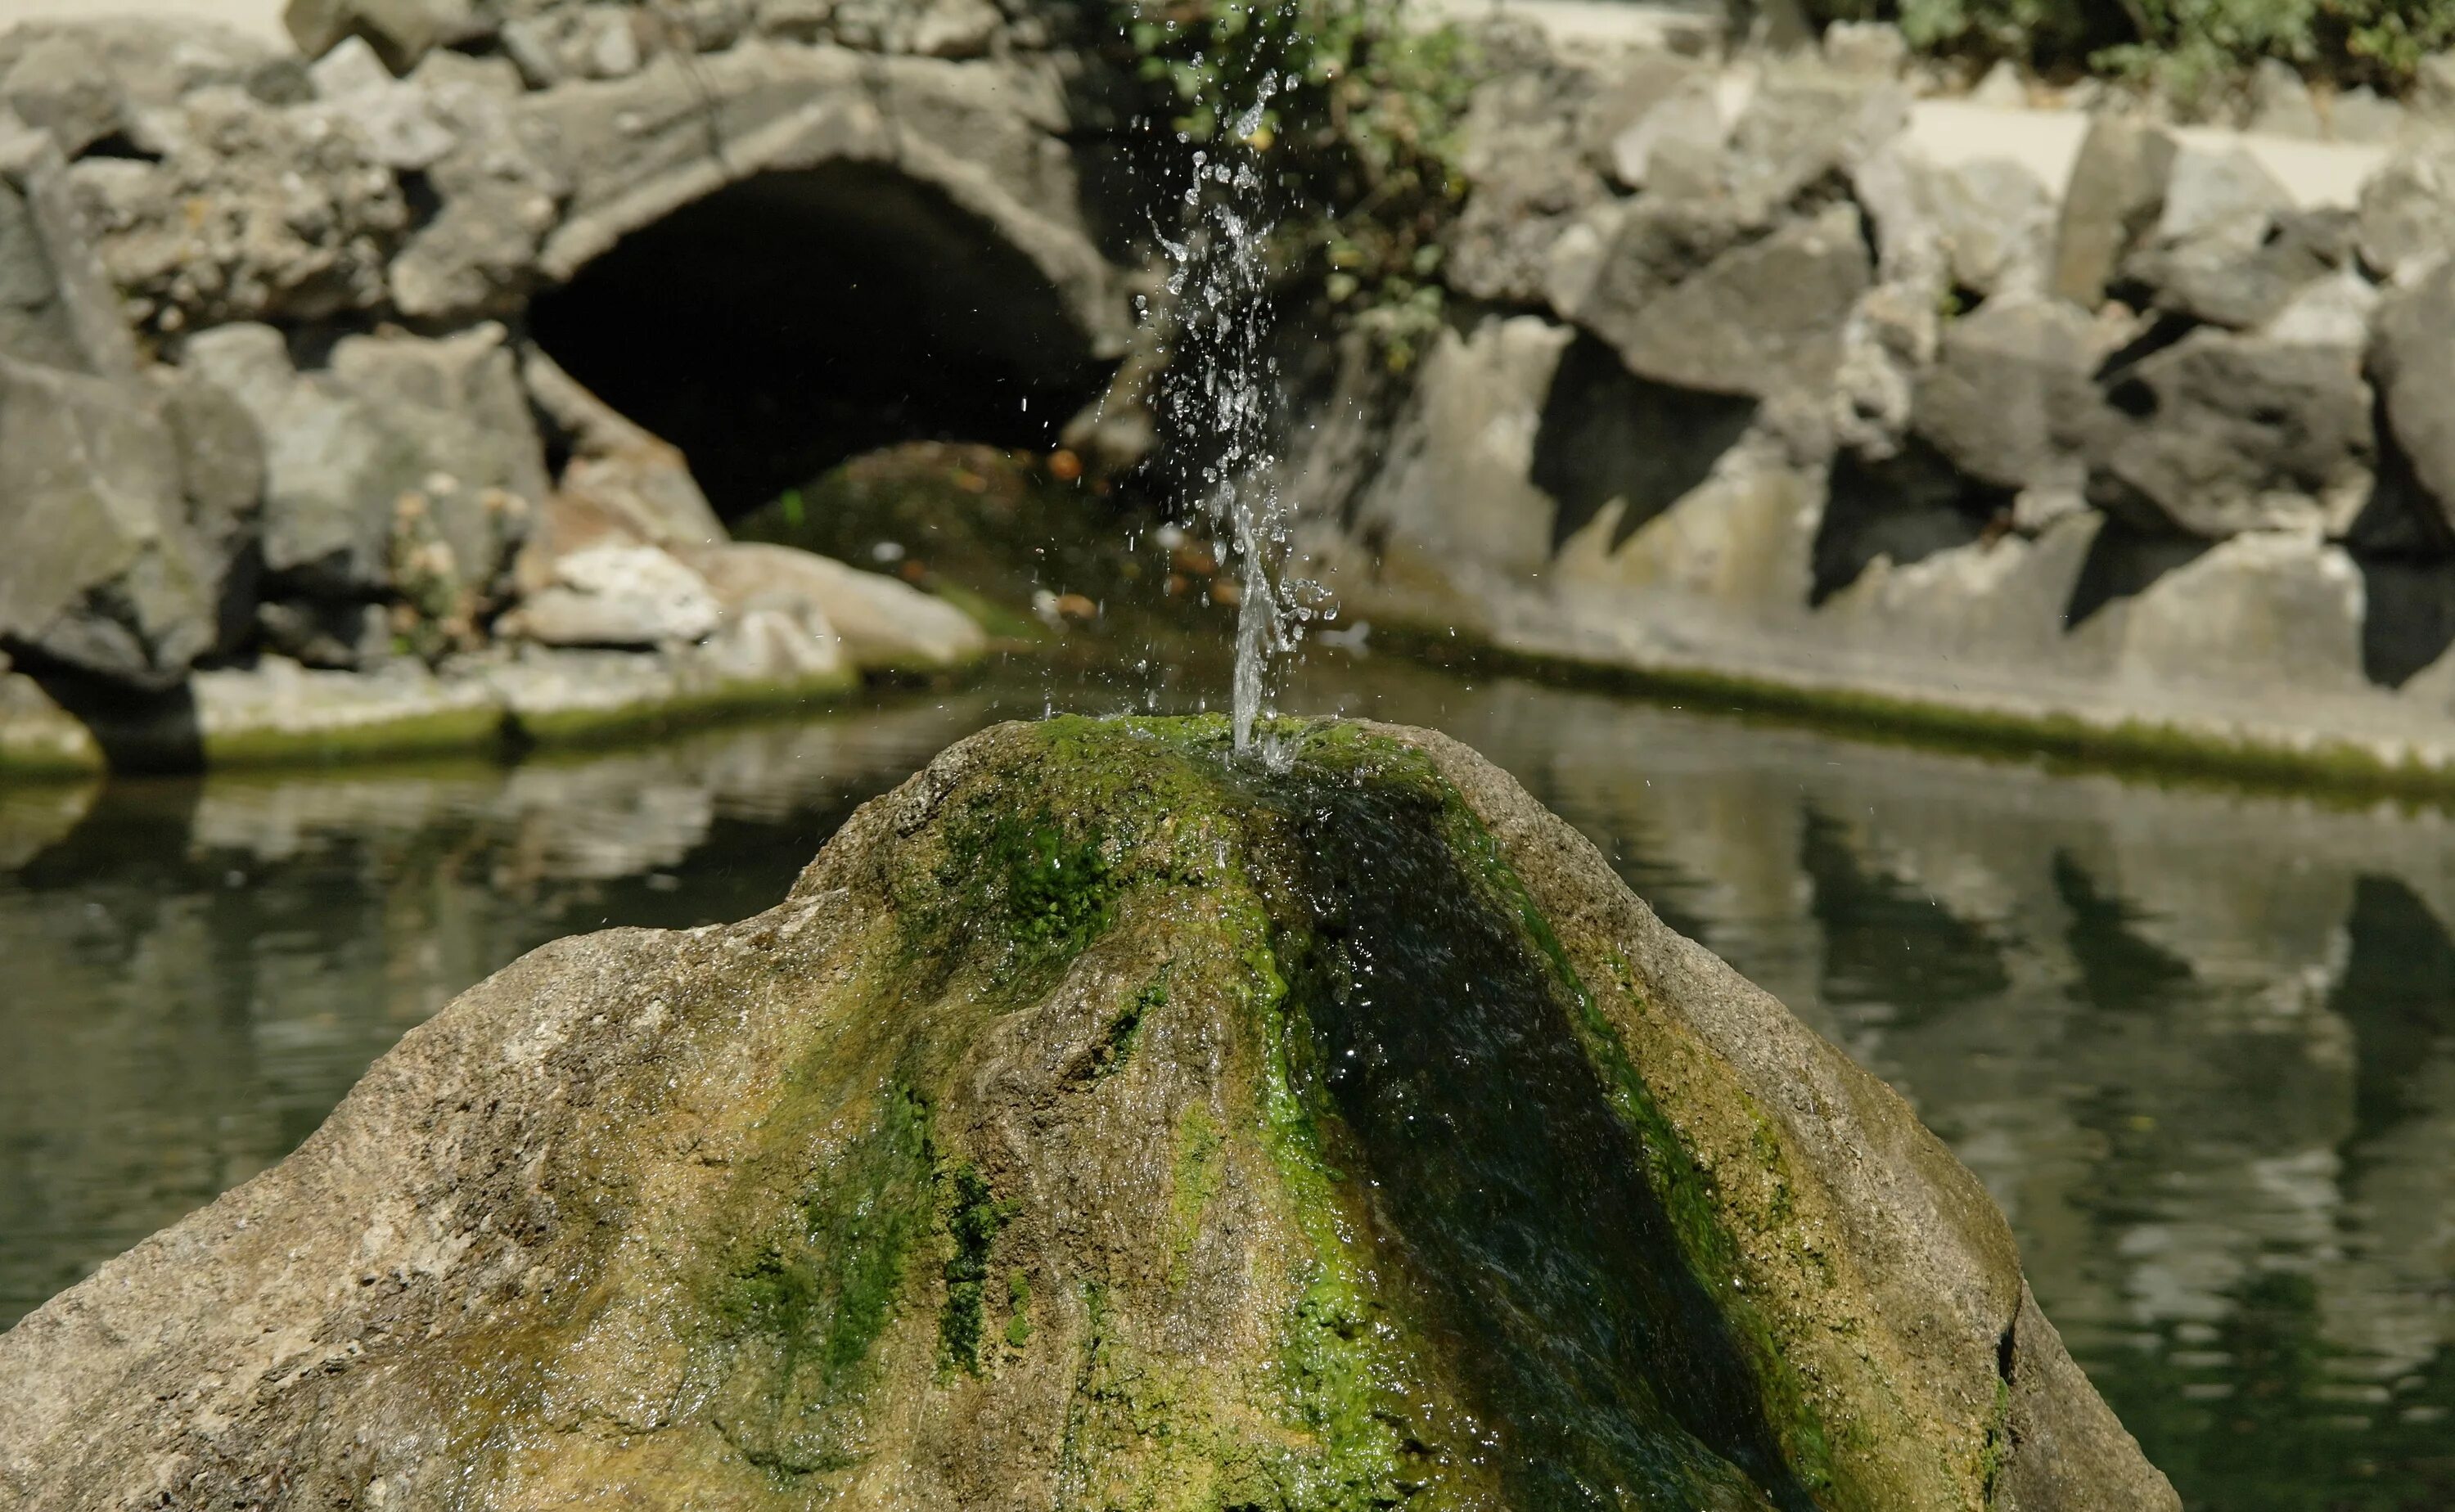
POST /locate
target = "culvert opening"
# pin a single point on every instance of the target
(795, 319)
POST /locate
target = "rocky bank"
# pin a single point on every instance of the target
(1811, 378)
(1085, 1130)
(397, 393)
(283, 469)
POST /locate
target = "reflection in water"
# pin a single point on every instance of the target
(2201, 1045)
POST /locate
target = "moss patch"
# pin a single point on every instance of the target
(799, 1309)
(478, 728)
(1057, 896)
(973, 1224)
(1018, 1302)
(1200, 1153)
(683, 710)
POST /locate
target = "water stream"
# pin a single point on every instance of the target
(1222, 386)
(2198, 1043)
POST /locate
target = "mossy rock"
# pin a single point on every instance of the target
(1103, 1123)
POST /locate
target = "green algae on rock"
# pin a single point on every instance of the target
(1102, 1122)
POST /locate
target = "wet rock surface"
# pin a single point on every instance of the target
(1087, 1124)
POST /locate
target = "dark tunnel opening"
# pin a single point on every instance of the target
(794, 320)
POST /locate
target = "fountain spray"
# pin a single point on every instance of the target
(1224, 384)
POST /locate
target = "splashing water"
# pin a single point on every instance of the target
(1223, 385)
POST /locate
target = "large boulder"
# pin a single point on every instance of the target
(402, 30)
(105, 573)
(255, 212)
(1805, 134)
(333, 468)
(1087, 1129)
(2230, 247)
(94, 80)
(129, 498)
(2009, 400)
(56, 303)
(1649, 102)
(458, 402)
(2243, 274)
(1690, 301)
(2413, 362)
(222, 466)
(2222, 434)
(1521, 150)
(1986, 224)
(390, 417)
(499, 192)
(402, 127)
(2117, 195)
(2407, 211)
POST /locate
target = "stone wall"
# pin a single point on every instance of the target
(271, 412)
(1817, 373)
(1797, 374)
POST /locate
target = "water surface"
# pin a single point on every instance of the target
(2200, 1044)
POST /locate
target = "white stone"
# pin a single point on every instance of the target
(776, 647)
(1871, 47)
(956, 28)
(398, 121)
(2331, 312)
(1691, 118)
(2214, 189)
(886, 625)
(2002, 88)
(619, 595)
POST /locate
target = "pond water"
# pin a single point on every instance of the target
(2200, 1043)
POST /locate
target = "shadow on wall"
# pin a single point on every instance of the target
(2124, 562)
(795, 319)
(1608, 434)
(1906, 507)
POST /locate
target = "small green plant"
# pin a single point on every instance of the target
(1356, 118)
(2189, 46)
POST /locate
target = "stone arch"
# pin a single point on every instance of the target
(776, 279)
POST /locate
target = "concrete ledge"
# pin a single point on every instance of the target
(279, 713)
(1591, 22)
(256, 18)
(2207, 749)
(38, 739)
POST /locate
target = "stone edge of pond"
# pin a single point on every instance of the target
(282, 714)
(2126, 743)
